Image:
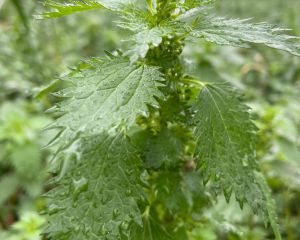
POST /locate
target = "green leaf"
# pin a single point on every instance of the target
(180, 192)
(148, 38)
(8, 185)
(225, 138)
(134, 19)
(147, 33)
(67, 8)
(111, 93)
(168, 190)
(196, 195)
(96, 198)
(164, 149)
(240, 33)
(117, 5)
(144, 40)
(191, 4)
(74, 6)
(44, 90)
(270, 204)
(153, 229)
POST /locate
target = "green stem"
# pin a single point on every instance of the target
(151, 7)
(146, 214)
(194, 81)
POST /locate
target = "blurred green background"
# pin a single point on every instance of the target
(34, 52)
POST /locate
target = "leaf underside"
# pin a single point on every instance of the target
(67, 8)
(73, 6)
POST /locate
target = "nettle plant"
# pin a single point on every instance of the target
(139, 138)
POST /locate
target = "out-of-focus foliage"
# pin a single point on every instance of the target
(32, 52)
(20, 143)
(27, 228)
